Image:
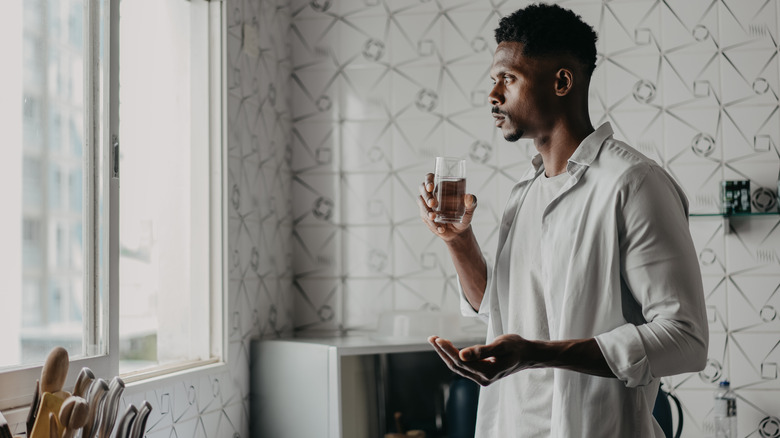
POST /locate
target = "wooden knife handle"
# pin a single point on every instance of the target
(55, 370)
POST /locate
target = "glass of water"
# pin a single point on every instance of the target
(449, 189)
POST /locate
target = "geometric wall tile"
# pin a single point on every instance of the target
(717, 367)
(758, 413)
(707, 234)
(754, 245)
(753, 303)
(756, 355)
(364, 300)
(367, 251)
(718, 311)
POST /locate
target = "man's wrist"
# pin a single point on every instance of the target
(461, 240)
(545, 354)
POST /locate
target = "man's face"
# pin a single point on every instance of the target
(521, 95)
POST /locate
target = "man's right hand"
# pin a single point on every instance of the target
(427, 203)
(460, 241)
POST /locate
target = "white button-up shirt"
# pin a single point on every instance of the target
(620, 267)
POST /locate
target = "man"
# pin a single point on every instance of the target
(596, 292)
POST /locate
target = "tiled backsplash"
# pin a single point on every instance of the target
(380, 87)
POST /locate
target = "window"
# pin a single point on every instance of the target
(127, 279)
(166, 181)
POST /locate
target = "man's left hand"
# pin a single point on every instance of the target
(485, 364)
(508, 354)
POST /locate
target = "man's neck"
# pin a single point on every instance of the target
(559, 145)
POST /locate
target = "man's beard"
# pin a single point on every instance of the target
(512, 136)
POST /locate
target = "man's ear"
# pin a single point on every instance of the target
(564, 82)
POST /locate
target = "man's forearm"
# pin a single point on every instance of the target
(581, 355)
(509, 354)
(470, 266)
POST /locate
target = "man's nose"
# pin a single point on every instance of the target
(495, 97)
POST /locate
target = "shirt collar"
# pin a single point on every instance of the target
(587, 150)
(584, 154)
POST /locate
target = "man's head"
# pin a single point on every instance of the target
(548, 30)
(541, 69)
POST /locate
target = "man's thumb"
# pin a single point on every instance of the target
(474, 353)
(471, 203)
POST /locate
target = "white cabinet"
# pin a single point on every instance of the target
(322, 387)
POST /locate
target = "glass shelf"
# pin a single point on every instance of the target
(753, 213)
(728, 216)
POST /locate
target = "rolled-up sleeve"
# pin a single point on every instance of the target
(660, 270)
(483, 311)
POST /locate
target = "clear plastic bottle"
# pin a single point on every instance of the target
(725, 411)
(778, 191)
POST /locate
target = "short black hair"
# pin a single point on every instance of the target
(550, 30)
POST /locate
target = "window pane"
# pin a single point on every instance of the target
(160, 224)
(42, 219)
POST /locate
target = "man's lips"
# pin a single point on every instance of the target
(498, 115)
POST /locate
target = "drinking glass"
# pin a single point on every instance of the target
(449, 189)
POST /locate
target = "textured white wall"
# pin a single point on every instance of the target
(380, 87)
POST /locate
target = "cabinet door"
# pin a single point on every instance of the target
(290, 383)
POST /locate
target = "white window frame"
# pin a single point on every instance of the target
(18, 384)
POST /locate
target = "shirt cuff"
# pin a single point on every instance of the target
(465, 305)
(625, 355)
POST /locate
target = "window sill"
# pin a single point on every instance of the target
(161, 376)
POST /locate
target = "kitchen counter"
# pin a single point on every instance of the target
(368, 343)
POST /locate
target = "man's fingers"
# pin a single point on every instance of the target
(423, 207)
(426, 193)
(471, 205)
(453, 356)
(429, 186)
(429, 181)
(481, 352)
(454, 364)
(471, 202)
(426, 213)
(451, 363)
(445, 348)
(448, 348)
(474, 353)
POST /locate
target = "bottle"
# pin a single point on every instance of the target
(777, 198)
(725, 411)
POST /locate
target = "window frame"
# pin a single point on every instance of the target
(101, 148)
